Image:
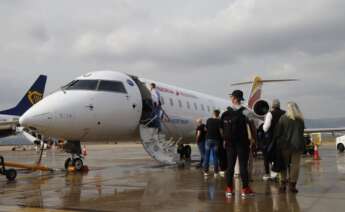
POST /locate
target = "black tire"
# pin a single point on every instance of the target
(341, 148)
(188, 152)
(13, 149)
(11, 174)
(78, 164)
(68, 162)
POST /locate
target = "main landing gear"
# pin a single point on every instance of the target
(75, 162)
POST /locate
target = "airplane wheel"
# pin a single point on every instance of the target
(78, 164)
(68, 163)
(341, 148)
(11, 174)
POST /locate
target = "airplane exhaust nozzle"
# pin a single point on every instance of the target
(261, 108)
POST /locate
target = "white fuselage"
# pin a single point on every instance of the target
(109, 107)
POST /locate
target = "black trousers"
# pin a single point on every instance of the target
(242, 152)
(266, 163)
(223, 163)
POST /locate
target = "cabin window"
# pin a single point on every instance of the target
(90, 85)
(188, 105)
(195, 106)
(162, 100)
(208, 108)
(171, 102)
(112, 86)
(202, 107)
(180, 103)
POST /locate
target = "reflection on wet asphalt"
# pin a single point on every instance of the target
(124, 178)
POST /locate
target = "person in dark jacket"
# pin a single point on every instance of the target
(213, 138)
(200, 139)
(237, 133)
(269, 126)
(290, 140)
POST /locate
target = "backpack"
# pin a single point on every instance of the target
(235, 126)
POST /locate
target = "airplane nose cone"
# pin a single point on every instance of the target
(38, 116)
(24, 120)
(34, 120)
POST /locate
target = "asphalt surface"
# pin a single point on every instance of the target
(123, 178)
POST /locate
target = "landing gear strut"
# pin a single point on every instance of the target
(76, 159)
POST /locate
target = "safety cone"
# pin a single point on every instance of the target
(84, 151)
(316, 153)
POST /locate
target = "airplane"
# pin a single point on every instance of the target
(109, 105)
(9, 119)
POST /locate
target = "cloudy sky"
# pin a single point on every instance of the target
(202, 45)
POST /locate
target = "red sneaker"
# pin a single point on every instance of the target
(229, 191)
(247, 192)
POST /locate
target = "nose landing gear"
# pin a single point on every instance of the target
(75, 162)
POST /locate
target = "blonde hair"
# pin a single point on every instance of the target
(199, 121)
(293, 111)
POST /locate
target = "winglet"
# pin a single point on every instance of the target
(31, 97)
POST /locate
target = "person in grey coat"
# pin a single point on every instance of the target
(290, 140)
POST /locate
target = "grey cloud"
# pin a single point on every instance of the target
(197, 44)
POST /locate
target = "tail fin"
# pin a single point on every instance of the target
(256, 91)
(31, 97)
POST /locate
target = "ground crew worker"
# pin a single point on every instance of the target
(200, 140)
(156, 101)
(236, 130)
(213, 138)
(271, 120)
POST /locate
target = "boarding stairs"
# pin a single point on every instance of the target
(160, 144)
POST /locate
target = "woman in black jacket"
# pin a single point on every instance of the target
(290, 140)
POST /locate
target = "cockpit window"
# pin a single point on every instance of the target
(112, 86)
(82, 85)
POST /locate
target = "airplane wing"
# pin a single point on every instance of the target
(324, 130)
(4, 125)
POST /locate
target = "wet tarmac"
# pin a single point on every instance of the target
(123, 178)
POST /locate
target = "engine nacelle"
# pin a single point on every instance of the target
(261, 108)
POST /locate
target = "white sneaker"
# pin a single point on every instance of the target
(222, 173)
(215, 175)
(206, 173)
(274, 175)
(266, 177)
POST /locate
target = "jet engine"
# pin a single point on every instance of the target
(261, 108)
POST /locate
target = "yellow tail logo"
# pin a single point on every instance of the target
(34, 97)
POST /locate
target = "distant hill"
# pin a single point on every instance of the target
(325, 123)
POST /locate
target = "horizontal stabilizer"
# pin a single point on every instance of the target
(264, 81)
